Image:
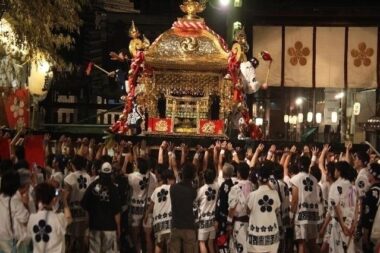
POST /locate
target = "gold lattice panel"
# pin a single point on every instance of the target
(167, 81)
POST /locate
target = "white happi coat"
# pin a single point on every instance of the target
(142, 185)
(263, 230)
(48, 230)
(206, 201)
(237, 198)
(362, 182)
(283, 216)
(343, 194)
(162, 210)
(78, 181)
(308, 207)
(248, 78)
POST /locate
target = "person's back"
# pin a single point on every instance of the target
(263, 229)
(46, 227)
(343, 203)
(76, 184)
(182, 196)
(237, 220)
(103, 205)
(48, 230)
(307, 212)
(12, 211)
(162, 211)
(304, 205)
(138, 182)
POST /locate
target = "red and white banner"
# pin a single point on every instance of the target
(17, 109)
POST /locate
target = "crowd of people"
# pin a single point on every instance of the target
(125, 197)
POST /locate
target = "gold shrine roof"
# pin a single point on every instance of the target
(188, 45)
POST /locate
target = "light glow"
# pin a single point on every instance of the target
(340, 95)
(299, 101)
(309, 117)
(238, 3)
(259, 121)
(286, 118)
(293, 120)
(318, 117)
(224, 3)
(356, 109)
(40, 69)
(300, 117)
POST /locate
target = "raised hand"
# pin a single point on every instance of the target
(260, 148)
(349, 146)
(314, 151)
(198, 148)
(272, 148)
(170, 147)
(164, 145)
(326, 148)
(184, 148)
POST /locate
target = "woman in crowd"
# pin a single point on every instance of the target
(13, 213)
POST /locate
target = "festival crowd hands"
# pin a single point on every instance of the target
(80, 169)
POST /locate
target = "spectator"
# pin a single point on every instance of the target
(221, 211)
(314, 171)
(23, 196)
(304, 205)
(343, 205)
(206, 201)
(362, 184)
(101, 201)
(182, 197)
(161, 207)
(237, 209)
(47, 227)
(371, 204)
(76, 184)
(263, 230)
(139, 183)
(283, 216)
(12, 213)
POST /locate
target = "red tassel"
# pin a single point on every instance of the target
(266, 56)
(89, 68)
